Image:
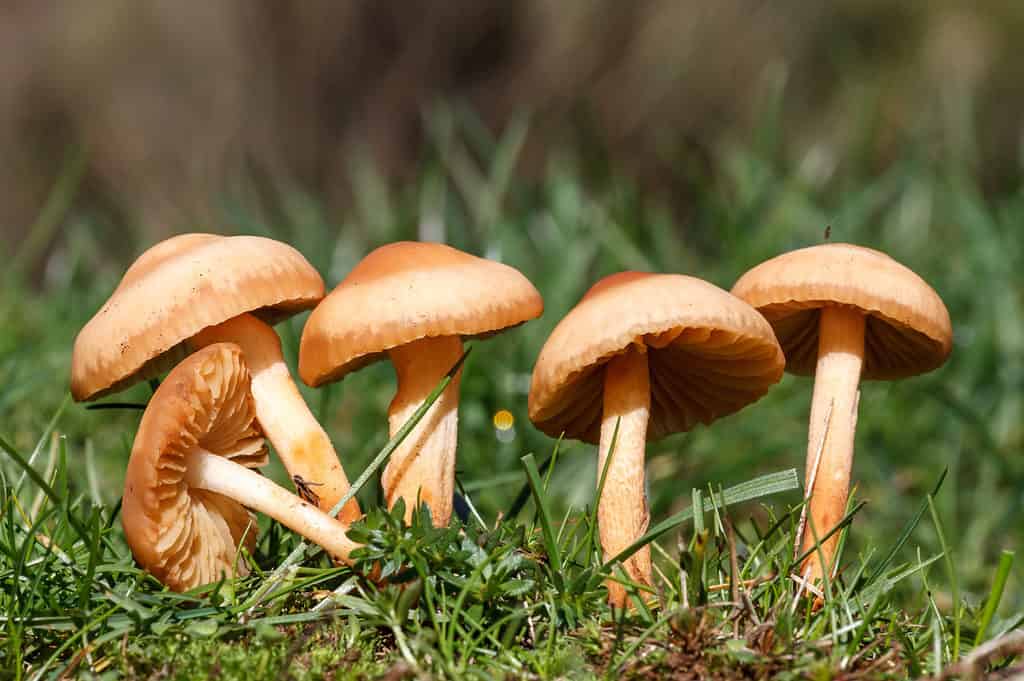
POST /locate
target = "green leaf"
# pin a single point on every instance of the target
(202, 628)
(766, 485)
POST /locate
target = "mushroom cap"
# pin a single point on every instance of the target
(907, 330)
(174, 290)
(187, 537)
(709, 354)
(406, 291)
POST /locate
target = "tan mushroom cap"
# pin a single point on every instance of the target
(177, 288)
(907, 330)
(406, 291)
(709, 354)
(187, 537)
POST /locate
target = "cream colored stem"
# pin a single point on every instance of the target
(622, 511)
(217, 474)
(840, 358)
(300, 441)
(424, 464)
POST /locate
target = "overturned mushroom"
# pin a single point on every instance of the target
(653, 354)
(190, 479)
(414, 303)
(195, 289)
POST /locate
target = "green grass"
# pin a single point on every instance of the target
(927, 572)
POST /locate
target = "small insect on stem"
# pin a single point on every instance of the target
(304, 486)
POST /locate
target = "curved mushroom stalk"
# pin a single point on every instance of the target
(305, 449)
(832, 426)
(622, 510)
(423, 466)
(217, 474)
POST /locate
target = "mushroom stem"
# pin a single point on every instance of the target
(298, 438)
(622, 510)
(423, 466)
(836, 380)
(217, 474)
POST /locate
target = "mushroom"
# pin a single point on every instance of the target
(414, 303)
(647, 355)
(195, 289)
(190, 478)
(844, 313)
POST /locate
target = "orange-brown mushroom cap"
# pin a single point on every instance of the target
(907, 330)
(709, 354)
(177, 288)
(187, 537)
(406, 291)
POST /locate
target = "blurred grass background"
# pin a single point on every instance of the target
(181, 103)
(570, 140)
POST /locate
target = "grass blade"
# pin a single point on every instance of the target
(995, 595)
(908, 529)
(50, 427)
(400, 436)
(300, 551)
(950, 574)
(839, 527)
(46, 489)
(137, 406)
(524, 493)
(547, 528)
(766, 485)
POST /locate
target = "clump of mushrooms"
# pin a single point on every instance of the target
(651, 355)
(196, 289)
(191, 477)
(844, 314)
(414, 303)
